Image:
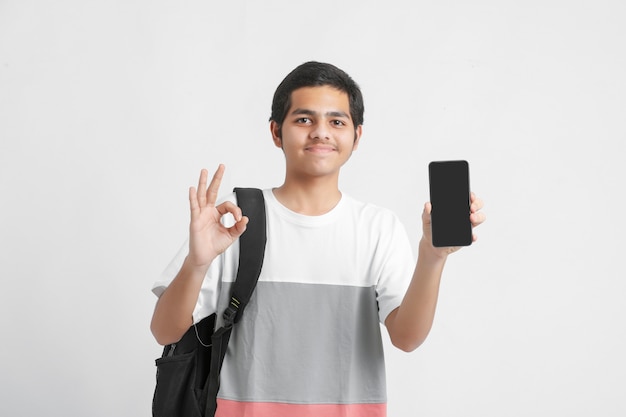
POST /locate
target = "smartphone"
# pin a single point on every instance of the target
(450, 199)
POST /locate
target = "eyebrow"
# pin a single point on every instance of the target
(307, 112)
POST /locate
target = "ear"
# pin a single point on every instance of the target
(357, 137)
(276, 136)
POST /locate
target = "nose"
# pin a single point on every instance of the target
(320, 131)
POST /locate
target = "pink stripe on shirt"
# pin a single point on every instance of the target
(227, 408)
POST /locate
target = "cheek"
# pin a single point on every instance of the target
(350, 142)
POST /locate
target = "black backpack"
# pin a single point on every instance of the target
(188, 371)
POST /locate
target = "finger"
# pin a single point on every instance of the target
(200, 193)
(229, 207)
(476, 205)
(477, 218)
(214, 186)
(426, 212)
(193, 201)
(238, 228)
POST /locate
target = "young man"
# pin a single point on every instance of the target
(309, 343)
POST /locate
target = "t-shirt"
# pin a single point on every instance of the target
(309, 342)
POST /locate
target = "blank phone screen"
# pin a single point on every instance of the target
(450, 199)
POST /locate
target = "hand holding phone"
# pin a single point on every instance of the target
(450, 200)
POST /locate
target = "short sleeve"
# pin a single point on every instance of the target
(207, 298)
(396, 264)
(168, 275)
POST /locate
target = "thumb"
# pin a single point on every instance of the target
(239, 227)
(426, 213)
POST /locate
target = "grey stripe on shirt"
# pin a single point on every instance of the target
(306, 343)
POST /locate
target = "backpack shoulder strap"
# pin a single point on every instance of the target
(251, 251)
(251, 254)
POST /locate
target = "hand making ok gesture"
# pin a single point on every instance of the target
(208, 237)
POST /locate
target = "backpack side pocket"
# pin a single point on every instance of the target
(174, 393)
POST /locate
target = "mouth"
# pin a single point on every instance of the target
(321, 149)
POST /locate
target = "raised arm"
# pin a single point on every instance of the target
(208, 238)
(409, 324)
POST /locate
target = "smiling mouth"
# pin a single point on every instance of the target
(320, 148)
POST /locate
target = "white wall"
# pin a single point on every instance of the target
(108, 110)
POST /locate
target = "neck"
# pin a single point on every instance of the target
(313, 198)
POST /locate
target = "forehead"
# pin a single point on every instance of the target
(320, 98)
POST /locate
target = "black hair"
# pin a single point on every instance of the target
(317, 74)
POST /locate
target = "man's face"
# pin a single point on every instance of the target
(318, 134)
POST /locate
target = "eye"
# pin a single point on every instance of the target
(338, 123)
(303, 120)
